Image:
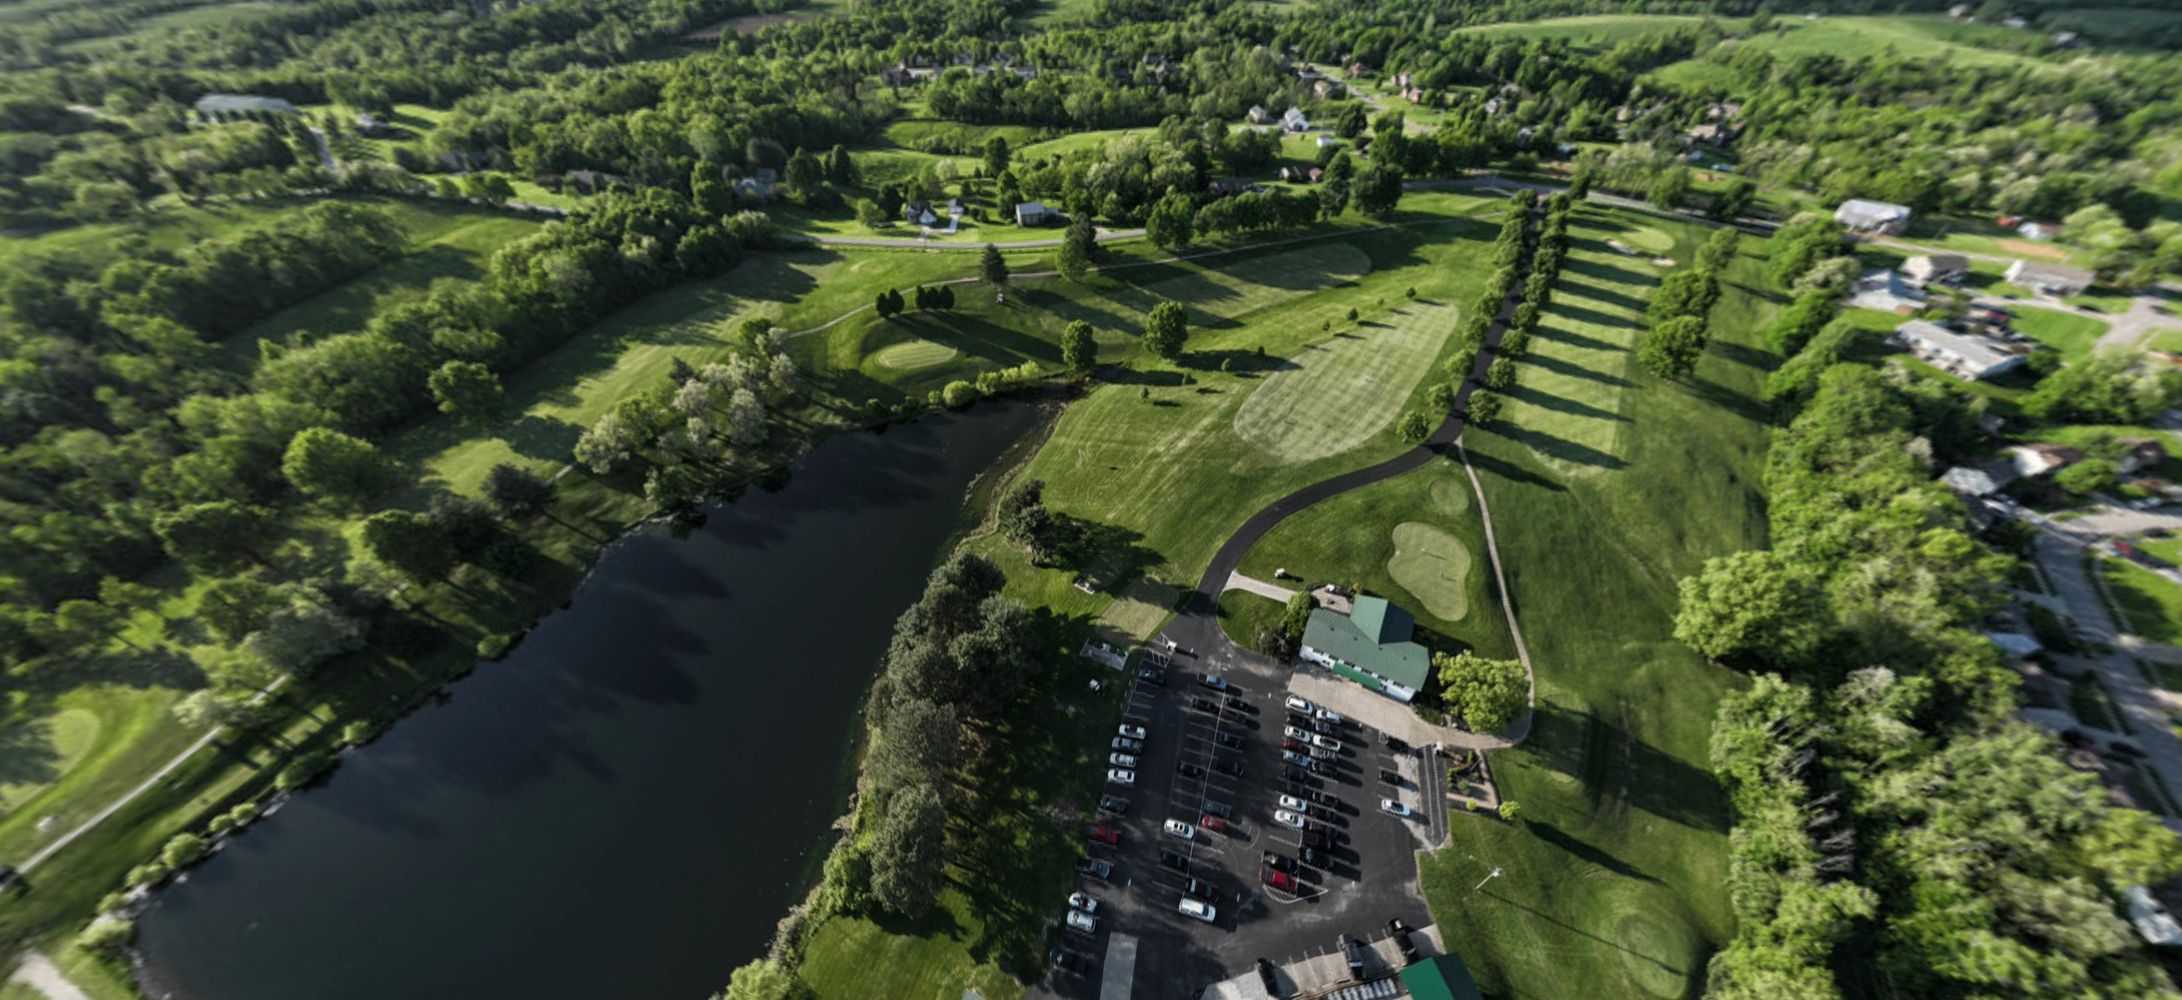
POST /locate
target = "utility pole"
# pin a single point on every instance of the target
(1495, 874)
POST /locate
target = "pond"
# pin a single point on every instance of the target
(626, 805)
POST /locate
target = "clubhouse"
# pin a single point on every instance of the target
(1370, 645)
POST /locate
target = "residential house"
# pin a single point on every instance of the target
(1402, 80)
(1959, 11)
(1355, 69)
(2039, 230)
(1307, 72)
(1325, 90)
(1227, 187)
(1964, 355)
(1327, 140)
(1862, 215)
(1888, 291)
(2034, 460)
(919, 213)
(1373, 645)
(2140, 454)
(220, 107)
(1709, 134)
(1314, 175)
(2056, 280)
(1414, 95)
(1035, 213)
(2014, 22)
(1523, 136)
(1259, 115)
(1492, 106)
(1723, 111)
(1295, 121)
(1979, 480)
(1943, 268)
(753, 189)
(897, 75)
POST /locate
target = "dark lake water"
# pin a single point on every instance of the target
(626, 805)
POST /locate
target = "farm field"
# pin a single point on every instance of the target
(1612, 877)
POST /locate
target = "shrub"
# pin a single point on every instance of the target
(958, 394)
(358, 733)
(496, 645)
(303, 770)
(184, 850)
(148, 873)
(107, 935)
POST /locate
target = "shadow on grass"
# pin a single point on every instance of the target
(1621, 771)
(1574, 339)
(1560, 839)
(1562, 404)
(1596, 293)
(1561, 448)
(1574, 370)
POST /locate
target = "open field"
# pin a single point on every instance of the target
(1338, 393)
(177, 20)
(1598, 29)
(170, 227)
(2152, 603)
(2068, 333)
(1612, 878)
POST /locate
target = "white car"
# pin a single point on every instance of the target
(1326, 743)
(1394, 808)
(1291, 802)
(1321, 753)
(1127, 744)
(1300, 705)
(1296, 733)
(1198, 908)
(1121, 760)
(1132, 732)
(1177, 828)
(1083, 901)
(1082, 923)
(1121, 776)
(1329, 715)
(1289, 819)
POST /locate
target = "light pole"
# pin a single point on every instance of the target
(1481, 884)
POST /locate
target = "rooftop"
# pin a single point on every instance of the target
(1374, 637)
(1969, 349)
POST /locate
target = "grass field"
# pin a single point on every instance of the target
(1591, 29)
(2152, 602)
(1337, 394)
(1612, 880)
(2068, 333)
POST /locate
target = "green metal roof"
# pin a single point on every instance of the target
(1442, 977)
(1385, 649)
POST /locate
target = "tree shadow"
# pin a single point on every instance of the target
(1562, 308)
(1557, 837)
(1746, 355)
(1596, 293)
(1590, 268)
(1561, 404)
(1235, 361)
(1742, 404)
(1491, 465)
(1561, 448)
(1574, 370)
(978, 337)
(1619, 770)
(548, 439)
(1574, 339)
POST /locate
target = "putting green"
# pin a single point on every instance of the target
(913, 354)
(1647, 239)
(1433, 566)
(1658, 950)
(1339, 393)
(67, 736)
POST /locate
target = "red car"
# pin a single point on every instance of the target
(1279, 880)
(1291, 743)
(1213, 823)
(1105, 835)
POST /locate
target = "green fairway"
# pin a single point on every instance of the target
(43, 750)
(71, 752)
(1336, 394)
(1433, 565)
(1217, 290)
(1613, 878)
(1931, 36)
(1588, 28)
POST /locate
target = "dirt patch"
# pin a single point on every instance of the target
(2029, 249)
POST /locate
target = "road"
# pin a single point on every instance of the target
(39, 973)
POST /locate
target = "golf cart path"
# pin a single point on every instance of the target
(39, 973)
(1198, 628)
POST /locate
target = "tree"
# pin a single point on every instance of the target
(764, 979)
(1166, 330)
(410, 542)
(1483, 407)
(1510, 809)
(609, 442)
(236, 606)
(1668, 188)
(997, 155)
(1025, 520)
(1416, 427)
(303, 635)
(1169, 225)
(2093, 475)
(465, 387)
(1076, 246)
(909, 853)
(1352, 121)
(870, 214)
(746, 424)
(217, 535)
(992, 267)
(840, 167)
(1487, 695)
(1753, 608)
(78, 627)
(920, 743)
(1719, 250)
(1379, 189)
(1079, 346)
(1671, 349)
(328, 465)
(1735, 200)
(516, 493)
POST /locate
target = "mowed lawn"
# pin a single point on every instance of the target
(2071, 335)
(1612, 879)
(2152, 603)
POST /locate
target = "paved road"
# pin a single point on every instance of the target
(39, 973)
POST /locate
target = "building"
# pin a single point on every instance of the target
(1959, 11)
(1441, 977)
(753, 189)
(1294, 120)
(2034, 460)
(919, 213)
(1862, 215)
(218, 107)
(2066, 39)
(1965, 355)
(1945, 268)
(1327, 140)
(2152, 921)
(1979, 480)
(1888, 291)
(1709, 134)
(1035, 213)
(1259, 116)
(2050, 279)
(1370, 645)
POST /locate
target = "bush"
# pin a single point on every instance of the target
(958, 394)
(184, 850)
(358, 733)
(496, 645)
(303, 770)
(107, 935)
(148, 873)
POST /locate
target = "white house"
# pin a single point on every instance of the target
(1944, 268)
(1035, 213)
(1862, 215)
(1294, 121)
(2050, 279)
(1966, 355)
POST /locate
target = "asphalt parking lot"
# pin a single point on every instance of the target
(1143, 946)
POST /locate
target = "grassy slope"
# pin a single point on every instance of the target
(2068, 333)
(1611, 881)
(2152, 602)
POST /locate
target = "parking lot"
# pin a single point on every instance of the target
(1218, 750)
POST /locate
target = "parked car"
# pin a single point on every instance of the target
(1127, 744)
(1322, 797)
(1291, 743)
(1098, 868)
(1294, 757)
(1152, 676)
(1220, 809)
(1393, 808)
(1396, 744)
(1068, 961)
(1105, 835)
(1390, 777)
(1236, 703)
(1114, 804)
(1201, 889)
(1132, 732)
(1082, 923)
(1326, 743)
(1313, 837)
(1322, 728)
(1212, 823)
(1321, 753)
(1083, 901)
(1198, 908)
(1317, 811)
(1121, 776)
(1173, 860)
(1296, 704)
(1279, 862)
(1400, 933)
(1213, 681)
(1268, 979)
(1295, 774)
(1227, 739)
(1177, 828)
(1319, 766)
(1228, 765)
(1289, 819)
(1204, 705)
(1189, 770)
(1121, 759)
(1296, 733)
(1329, 715)
(1279, 879)
(1293, 804)
(1299, 719)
